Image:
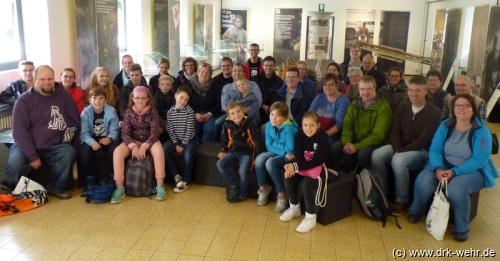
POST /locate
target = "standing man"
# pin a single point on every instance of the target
(254, 65)
(269, 83)
(122, 78)
(411, 135)
(308, 84)
(353, 61)
(437, 96)
(16, 88)
(45, 121)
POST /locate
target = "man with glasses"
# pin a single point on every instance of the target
(463, 85)
(16, 88)
(394, 91)
(254, 64)
(296, 97)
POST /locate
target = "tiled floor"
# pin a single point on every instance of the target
(200, 225)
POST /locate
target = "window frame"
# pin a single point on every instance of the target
(4, 66)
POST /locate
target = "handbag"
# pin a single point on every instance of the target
(437, 218)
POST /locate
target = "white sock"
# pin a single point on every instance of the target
(308, 215)
(294, 205)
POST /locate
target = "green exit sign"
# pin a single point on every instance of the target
(321, 8)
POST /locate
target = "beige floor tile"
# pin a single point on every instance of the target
(195, 248)
(65, 250)
(173, 246)
(296, 256)
(271, 256)
(220, 250)
(112, 253)
(203, 235)
(28, 256)
(134, 255)
(189, 258)
(162, 256)
(323, 257)
(244, 252)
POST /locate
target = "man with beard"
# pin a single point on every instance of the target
(45, 121)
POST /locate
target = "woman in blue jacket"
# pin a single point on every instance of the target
(460, 152)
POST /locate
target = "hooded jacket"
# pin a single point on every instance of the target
(111, 129)
(239, 138)
(281, 140)
(41, 122)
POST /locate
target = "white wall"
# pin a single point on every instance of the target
(49, 35)
(260, 17)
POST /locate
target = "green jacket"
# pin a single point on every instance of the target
(365, 127)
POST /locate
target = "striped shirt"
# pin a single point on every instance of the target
(180, 125)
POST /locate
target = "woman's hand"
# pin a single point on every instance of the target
(349, 149)
(289, 156)
(135, 152)
(198, 117)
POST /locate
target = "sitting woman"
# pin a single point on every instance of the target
(331, 106)
(460, 152)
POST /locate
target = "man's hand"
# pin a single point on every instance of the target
(198, 117)
(349, 149)
(221, 154)
(95, 146)
(36, 164)
(289, 170)
(105, 141)
(179, 149)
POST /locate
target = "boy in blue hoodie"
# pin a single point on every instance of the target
(99, 136)
(279, 132)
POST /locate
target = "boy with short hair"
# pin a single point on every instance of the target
(181, 130)
(99, 135)
(164, 99)
(239, 146)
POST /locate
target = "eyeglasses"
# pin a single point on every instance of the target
(140, 98)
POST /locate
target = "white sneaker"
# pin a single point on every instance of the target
(308, 223)
(181, 187)
(290, 213)
(263, 196)
(281, 204)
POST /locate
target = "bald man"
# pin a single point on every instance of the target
(45, 122)
(368, 68)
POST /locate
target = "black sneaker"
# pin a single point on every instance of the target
(413, 219)
(234, 193)
(60, 195)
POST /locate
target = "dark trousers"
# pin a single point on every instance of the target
(98, 164)
(308, 186)
(347, 162)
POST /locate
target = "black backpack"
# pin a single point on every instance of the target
(99, 191)
(140, 177)
(372, 198)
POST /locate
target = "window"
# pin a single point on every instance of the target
(11, 33)
(122, 26)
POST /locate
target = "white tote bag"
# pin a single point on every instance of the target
(27, 185)
(437, 218)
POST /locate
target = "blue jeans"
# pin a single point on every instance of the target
(58, 158)
(402, 163)
(459, 190)
(270, 164)
(205, 131)
(225, 164)
(188, 159)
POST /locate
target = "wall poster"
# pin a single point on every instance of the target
(491, 72)
(287, 28)
(319, 36)
(393, 33)
(359, 26)
(174, 51)
(234, 32)
(450, 45)
(160, 36)
(203, 32)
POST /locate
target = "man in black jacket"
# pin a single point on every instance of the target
(368, 68)
(122, 78)
(269, 83)
(18, 87)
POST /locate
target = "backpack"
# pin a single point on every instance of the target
(99, 191)
(26, 196)
(139, 177)
(372, 197)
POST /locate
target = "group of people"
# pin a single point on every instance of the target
(353, 118)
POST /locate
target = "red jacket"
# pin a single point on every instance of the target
(246, 68)
(78, 96)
